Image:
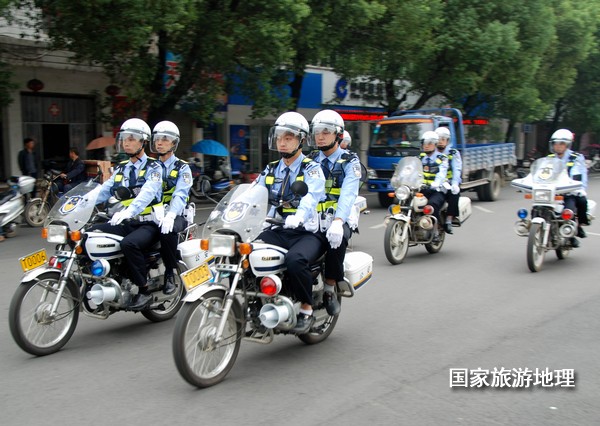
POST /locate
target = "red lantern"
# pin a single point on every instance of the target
(35, 85)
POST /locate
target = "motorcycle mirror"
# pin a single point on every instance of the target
(123, 193)
(299, 188)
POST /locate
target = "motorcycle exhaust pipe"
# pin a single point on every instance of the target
(567, 230)
(272, 315)
(522, 228)
(100, 294)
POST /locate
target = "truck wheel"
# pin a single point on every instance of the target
(491, 190)
(384, 200)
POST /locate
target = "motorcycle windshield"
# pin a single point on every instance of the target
(547, 170)
(409, 172)
(75, 207)
(241, 211)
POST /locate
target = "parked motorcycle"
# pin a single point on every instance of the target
(411, 221)
(214, 187)
(37, 209)
(245, 293)
(551, 226)
(87, 273)
(12, 203)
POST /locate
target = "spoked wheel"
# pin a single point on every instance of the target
(36, 212)
(435, 247)
(395, 249)
(324, 323)
(162, 311)
(535, 248)
(199, 359)
(32, 326)
(562, 253)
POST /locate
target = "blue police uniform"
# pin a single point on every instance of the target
(177, 181)
(435, 170)
(141, 232)
(342, 173)
(454, 176)
(304, 247)
(575, 164)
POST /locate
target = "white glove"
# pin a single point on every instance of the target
(455, 189)
(119, 217)
(166, 225)
(335, 233)
(435, 187)
(293, 221)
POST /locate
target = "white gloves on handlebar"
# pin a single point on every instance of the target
(293, 221)
(335, 233)
(455, 189)
(166, 225)
(119, 217)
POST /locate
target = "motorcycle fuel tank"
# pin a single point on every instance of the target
(267, 259)
(100, 245)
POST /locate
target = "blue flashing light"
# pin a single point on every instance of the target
(522, 213)
(97, 268)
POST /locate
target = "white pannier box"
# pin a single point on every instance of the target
(358, 268)
(464, 208)
(191, 253)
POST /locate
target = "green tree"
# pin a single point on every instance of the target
(6, 83)
(213, 39)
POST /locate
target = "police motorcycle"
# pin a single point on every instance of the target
(37, 209)
(87, 273)
(12, 203)
(551, 226)
(411, 221)
(244, 294)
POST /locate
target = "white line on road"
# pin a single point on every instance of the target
(483, 210)
(381, 225)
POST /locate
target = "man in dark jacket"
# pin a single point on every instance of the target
(28, 159)
(75, 173)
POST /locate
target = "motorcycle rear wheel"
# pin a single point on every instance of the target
(535, 250)
(36, 212)
(436, 247)
(596, 166)
(395, 250)
(199, 360)
(562, 253)
(167, 310)
(322, 328)
(32, 330)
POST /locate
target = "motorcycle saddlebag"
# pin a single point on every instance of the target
(358, 268)
(464, 208)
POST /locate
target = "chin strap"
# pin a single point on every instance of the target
(135, 154)
(328, 147)
(290, 154)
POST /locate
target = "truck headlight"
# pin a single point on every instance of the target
(371, 173)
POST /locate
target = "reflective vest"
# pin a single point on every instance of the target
(334, 178)
(570, 161)
(289, 207)
(451, 152)
(170, 182)
(430, 171)
(137, 187)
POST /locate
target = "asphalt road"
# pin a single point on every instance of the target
(474, 305)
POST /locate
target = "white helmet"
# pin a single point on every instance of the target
(289, 122)
(347, 139)
(165, 130)
(133, 128)
(561, 136)
(327, 120)
(443, 132)
(430, 137)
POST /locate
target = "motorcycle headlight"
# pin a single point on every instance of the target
(57, 234)
(542, 195)
(402, 193)
(221, 245)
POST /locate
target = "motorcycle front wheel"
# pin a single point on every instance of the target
(395, 250)
(36, 212)
(535, 248)
(168, 309)
(31, 325)
(200, 360)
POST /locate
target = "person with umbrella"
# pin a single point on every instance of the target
(177, 181)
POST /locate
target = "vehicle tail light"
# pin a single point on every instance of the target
(567, 214)
(54, 262)
(428, 209)
(270, 285)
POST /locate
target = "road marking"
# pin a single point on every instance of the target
(483, 210)
(381, 225)
(593, 233)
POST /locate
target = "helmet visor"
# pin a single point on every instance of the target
(285, 139)
(163, 142)
(129, 139)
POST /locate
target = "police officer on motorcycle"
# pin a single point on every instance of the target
(435, 170)
(454, 175)
(299, 234)
(136, 223)
(342, 173)
(177, 181)
(560, 147)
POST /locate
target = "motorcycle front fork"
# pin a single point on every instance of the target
(229, 298)
(62, 283)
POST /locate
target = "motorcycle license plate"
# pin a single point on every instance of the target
(196, 276)
(33, 260)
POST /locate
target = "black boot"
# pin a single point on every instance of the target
(141, 300)
(448, 228)
(169, 286)
(580, 232)
(303, 323)
(331, 303)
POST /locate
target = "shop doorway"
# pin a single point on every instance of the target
(56, 143)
